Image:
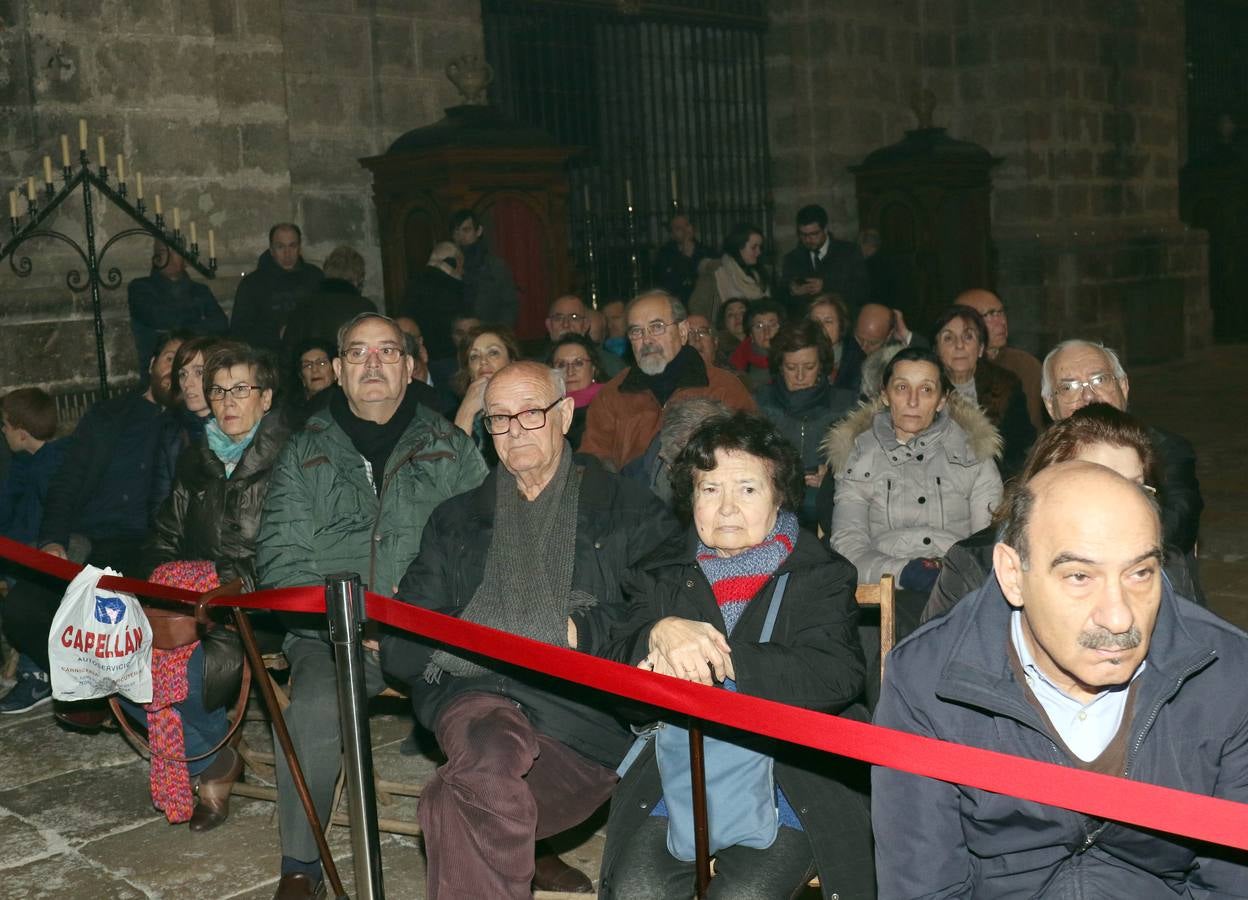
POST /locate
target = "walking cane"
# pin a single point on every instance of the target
(701, 832)
(288, 748)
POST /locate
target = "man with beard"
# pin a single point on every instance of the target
(98, 507)
(1077, 652)
(628, 411)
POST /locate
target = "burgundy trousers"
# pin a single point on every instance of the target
(503, 787)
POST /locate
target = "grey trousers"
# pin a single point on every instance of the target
(312, 719)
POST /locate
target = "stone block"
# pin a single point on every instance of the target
(223, 16)
(396, 45)
(1119, 48)
(266, 147)
(261, 20)
(322, 43)
(1095, 85)
(1023, 204)
(871, 41)
(164, 148)
(331, 161)
(130, 74)
(1077, 45)
(249, 81)
(86, 803)
(972, 48)
(1162, 199)
(336, 218)
(64, 876)
(60, 75)
(938, 49)
(1072, 201)
(1029, 41)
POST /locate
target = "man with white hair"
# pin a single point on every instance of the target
(539, 550)
(1077, 373)
(628, 411)
(1077, 653)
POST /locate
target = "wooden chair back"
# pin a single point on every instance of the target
(882, 595)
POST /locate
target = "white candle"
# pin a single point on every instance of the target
(30, 188)
(65, 151)
(586, 197)
(675, 195)
(177, 219)
(194, 235)
(121, 168)
(47, 169)
(628, 192)
(99, 142)
(12, 204)
(159, 210)
(212, 244)
(138, 185)
(82, 134)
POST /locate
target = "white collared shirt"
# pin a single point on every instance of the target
(1087, 728)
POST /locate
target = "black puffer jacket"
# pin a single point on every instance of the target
(209, 516)
(617, 524)
(814, 660)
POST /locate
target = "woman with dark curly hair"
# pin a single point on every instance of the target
(700, 608)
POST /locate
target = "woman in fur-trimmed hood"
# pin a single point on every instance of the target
(915, 473)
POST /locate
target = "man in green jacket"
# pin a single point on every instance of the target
(351, 493)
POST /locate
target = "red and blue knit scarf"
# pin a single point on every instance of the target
(736, 579)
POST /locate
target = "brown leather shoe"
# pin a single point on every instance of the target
(550, 873)
(299, 887)
(85, 717)
(215, 785)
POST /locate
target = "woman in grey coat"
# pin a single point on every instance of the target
(914, 474)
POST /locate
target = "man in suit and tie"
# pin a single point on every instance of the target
(820, 264)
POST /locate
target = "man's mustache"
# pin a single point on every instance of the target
(1104, 639)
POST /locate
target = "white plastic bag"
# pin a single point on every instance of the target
(100, 643)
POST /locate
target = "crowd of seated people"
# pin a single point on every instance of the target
(704, 512)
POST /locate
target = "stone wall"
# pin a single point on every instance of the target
(241, 112)
(1084, 101)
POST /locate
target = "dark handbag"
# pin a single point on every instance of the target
(740, 783)
(226, 673)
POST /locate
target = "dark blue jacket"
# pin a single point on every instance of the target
(952, 680)
(158, 305)
(24, 488)
(81, 486)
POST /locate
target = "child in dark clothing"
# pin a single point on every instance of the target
(28, 420)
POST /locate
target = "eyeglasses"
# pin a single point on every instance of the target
(389, 354)
(573, 364)
(766, 326)
(993, 313)
(309, 364)
(654, 329)
(238, 392)
(1074, 387)
(529, 419)
(696, 334)
(565, 318)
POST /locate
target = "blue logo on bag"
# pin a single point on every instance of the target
(109, 610)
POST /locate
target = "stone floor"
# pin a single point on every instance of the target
(76, 821)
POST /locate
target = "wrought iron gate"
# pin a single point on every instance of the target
(668, 101)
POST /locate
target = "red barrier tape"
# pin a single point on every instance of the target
(1102, 796)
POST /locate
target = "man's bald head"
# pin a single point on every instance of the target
(1081, 556)
(874, 325)
(988, 305)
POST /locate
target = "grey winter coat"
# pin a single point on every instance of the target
(897, 502)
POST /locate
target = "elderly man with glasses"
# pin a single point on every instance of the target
(350, 493)
(539, 550)
(568, 314)
(627, 413)
(1077, 373)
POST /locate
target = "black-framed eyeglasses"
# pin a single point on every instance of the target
(529, 419)
(240, 391)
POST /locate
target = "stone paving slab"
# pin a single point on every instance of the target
(66, 876)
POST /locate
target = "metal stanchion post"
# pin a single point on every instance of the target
(344, 604)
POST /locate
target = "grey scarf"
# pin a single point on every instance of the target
(514, 595)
